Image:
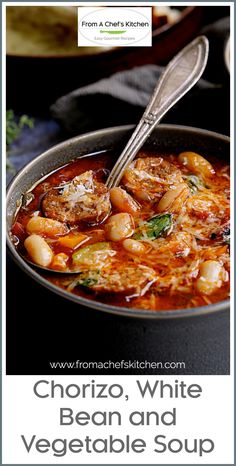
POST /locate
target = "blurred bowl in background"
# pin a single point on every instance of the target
(34, 81)
(51, 31)
(227, 54)
(44, 32)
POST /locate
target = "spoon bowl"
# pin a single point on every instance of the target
(47, 269)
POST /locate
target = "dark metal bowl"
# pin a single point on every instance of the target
(164, 138)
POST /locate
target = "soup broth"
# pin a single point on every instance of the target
(159, 241)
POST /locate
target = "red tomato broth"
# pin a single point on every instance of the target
(154, 299)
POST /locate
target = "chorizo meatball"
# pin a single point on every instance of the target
(150, 177)
(82, 200)
(116, 278)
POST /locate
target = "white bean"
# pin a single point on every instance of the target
(38, 249)
(196, 163)
(122, 201)
(210, 277)
(46, 226)
(173, 199)
(119, 227)
(133, 246)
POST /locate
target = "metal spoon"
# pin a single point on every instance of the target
(180, 75)
(47, 269)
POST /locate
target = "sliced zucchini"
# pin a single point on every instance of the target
(93, 255)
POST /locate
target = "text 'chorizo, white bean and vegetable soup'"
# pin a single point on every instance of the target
(159, 241)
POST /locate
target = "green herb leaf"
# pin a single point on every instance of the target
(88, 279)
(14, 127)
(194, 183)
(155, 227)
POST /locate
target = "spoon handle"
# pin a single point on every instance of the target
(180, 75)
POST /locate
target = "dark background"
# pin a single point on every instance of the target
(43, 327)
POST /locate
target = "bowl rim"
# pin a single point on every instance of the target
(107, 50)
(91, 304)
(227, 54)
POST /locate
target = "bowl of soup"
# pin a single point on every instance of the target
(155, 246)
